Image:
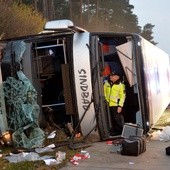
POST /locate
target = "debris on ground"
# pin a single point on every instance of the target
(162, 135)
(56, 149)
(75, 160)
(49, 148)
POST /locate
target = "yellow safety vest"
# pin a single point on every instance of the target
(115, 94)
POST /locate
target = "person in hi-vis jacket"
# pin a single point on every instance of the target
(114, 92)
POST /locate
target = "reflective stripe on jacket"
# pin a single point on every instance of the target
(115, 94)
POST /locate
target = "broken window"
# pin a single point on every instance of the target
(22, 109)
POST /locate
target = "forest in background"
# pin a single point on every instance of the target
(26, 17)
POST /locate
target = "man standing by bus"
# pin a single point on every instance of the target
(114, 92)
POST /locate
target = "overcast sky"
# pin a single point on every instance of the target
(156, 12)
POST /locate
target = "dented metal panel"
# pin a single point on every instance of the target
(83, 84)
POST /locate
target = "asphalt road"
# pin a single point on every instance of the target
(101, 158)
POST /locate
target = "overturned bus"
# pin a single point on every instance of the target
(65, 66)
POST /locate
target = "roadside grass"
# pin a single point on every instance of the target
(61, 142)
(164, 120)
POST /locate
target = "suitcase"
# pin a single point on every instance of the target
(133, 146)
(131, 130)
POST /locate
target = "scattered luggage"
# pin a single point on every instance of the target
(133, 146)
(130, 129)
(133, 143)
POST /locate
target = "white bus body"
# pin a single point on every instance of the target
(65, 65)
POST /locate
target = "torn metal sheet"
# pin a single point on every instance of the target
(125, 56)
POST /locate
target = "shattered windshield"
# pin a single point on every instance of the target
(22, 109)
